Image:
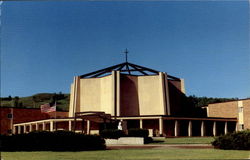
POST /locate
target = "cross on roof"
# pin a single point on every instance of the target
(126, 54)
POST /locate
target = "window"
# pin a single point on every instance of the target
(241, 127)
(9, 116)
(240, 109)
(9, 131)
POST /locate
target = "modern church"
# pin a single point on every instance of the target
(136, 96)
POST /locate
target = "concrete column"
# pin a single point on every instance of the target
(167, 93)
(183, 86)
(214, 129)
(114, 109)
(236, 127)
(19, 129)
(225, 129)
(51, 128)
(141, 123)
(88, 126)
(190, 128)
(70, 125)
(14, 130)
(161, 126)
(176, 128)
(202, 128)
(36, 126)
(24, 128)
(118, 93)
(44, 126)
(30, 128)
(162, 93)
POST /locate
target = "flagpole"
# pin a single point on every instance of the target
(55, 117)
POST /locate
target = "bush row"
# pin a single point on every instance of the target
(52, 141)
(237, 140)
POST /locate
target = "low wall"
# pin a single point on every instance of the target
(125, 141)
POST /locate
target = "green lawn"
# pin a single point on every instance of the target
(130, 154)
(185, 140)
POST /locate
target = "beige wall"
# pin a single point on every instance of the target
(133, 95)
(71, 105)
(97, 94)
(92, 94)
(150, 95)
(142, 95)
(74, 105)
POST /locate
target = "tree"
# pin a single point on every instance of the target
(16, 101)
(34, 98)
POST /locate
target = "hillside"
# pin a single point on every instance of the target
(35, 101)
(62, 101)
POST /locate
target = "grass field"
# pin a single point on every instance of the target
(130, 154)
(185, 140)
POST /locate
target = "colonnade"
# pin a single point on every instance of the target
(43, 125)
(165, 126)
(174, 126)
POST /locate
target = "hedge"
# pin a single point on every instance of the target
(137, 132)
(112, 133)
(52, 141)
(236, 140)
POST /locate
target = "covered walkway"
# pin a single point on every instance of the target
(89, 123)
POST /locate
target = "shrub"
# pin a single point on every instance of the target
(112, 133)
(137, 132)
(237, 140)
(52, 141)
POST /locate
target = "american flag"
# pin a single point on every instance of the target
(46, 108)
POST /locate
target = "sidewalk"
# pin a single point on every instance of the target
(161, 146)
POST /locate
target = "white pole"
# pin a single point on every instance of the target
(55, 117)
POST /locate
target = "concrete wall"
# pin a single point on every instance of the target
(175, 95)
(150, 95)
(141, 95)
(129, 99)
(127, 95)
(96, 94)
(71, 102)
(74, 97)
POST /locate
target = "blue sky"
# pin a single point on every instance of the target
(44, 44)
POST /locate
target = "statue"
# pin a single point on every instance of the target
(120, 125)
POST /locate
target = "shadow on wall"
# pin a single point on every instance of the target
(181, 105)
(129, 96)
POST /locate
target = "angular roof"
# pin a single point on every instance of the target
(125, 68)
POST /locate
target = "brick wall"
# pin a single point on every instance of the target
(224, 110)
(246, 113)
(230, 110)
(21, 115)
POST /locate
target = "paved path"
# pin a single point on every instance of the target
(161, 146)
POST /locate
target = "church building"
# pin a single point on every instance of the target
(137, 96)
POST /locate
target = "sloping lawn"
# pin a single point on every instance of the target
(130, 154)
